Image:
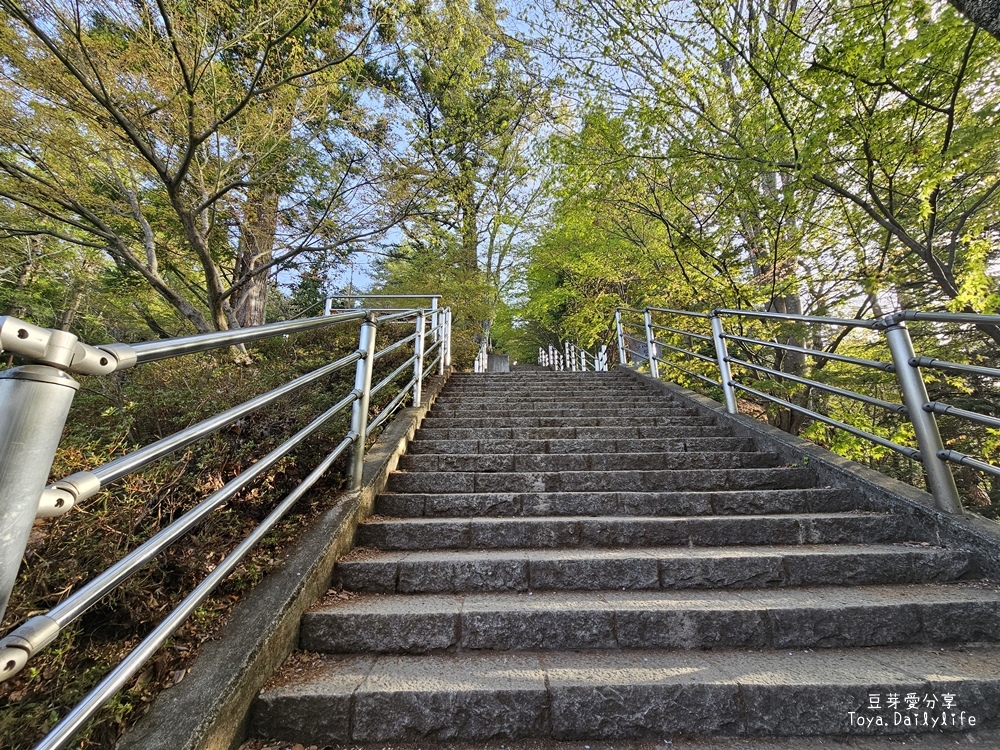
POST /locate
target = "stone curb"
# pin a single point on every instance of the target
(209, 710)
(975, 534)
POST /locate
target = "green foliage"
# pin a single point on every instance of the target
(112, 416)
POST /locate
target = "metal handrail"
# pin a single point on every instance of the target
(682, 350)
(786, 317)
(150, 351)
(905, 366)
(940, 364)
(874, 364)
(574, 358)
(878, 439)
(937, 407)
(936, 317)
(34, 401)
(687, 313)
(888, 406)
(692, 373)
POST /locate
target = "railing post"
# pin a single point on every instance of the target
(434, 320)
(362, 386)
(722, 355)
(654, 369)
(34, 402)
(604, 358)
(940, 480)
(621, 337)
(583, 360)
(418, 364)
(446, 357)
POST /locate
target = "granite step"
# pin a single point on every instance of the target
(450, 482)
(512, 411)
(508, 420)
(649, 445)
(826, 617)
(622, 504)
(579, 557)
(596, 531)
(549, 462)
(735, 567)
(624, 694)
(570, 432)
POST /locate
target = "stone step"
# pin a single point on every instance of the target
(514, 410)
(614, 695)
(583, 380)
(449, 482)
(568, 433)
(567, 394)
(565, 390)
(646, 568)
(668, 445)
(614, 531)
(507, 420)
(828, 617)
(622, 504)
(548, 462)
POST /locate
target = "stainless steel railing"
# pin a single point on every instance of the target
(700, 347)
(34, 402)
(573, 358)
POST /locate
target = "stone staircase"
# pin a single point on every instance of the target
(574, 556)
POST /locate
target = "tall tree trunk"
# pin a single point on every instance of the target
(984, 13)
(24, 276)
(68, 315)
(256, 249)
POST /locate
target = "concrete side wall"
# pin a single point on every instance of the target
(209, 709)
(875, 491)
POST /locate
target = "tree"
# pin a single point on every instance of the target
(201, 146)
(475, 106)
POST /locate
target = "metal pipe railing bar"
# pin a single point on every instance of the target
(393, 347)
(389, 318)
(429, 369)
(874, 364)
(843, 322)
(640, 355)
(966, 460)
(684, 351)
(86, 596)
(658, 327)
(973, 318)
(631, 309)
(682, 332)
(940, 481)
(385, 296)
(119, 467)
(936, 407)
(408, 364)
(871, 400)
(886, 443)
(940, 364)
(692, 373)
(390, 408)
(687, 313)
(435, 345)
(116, 679)
(149, 351)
